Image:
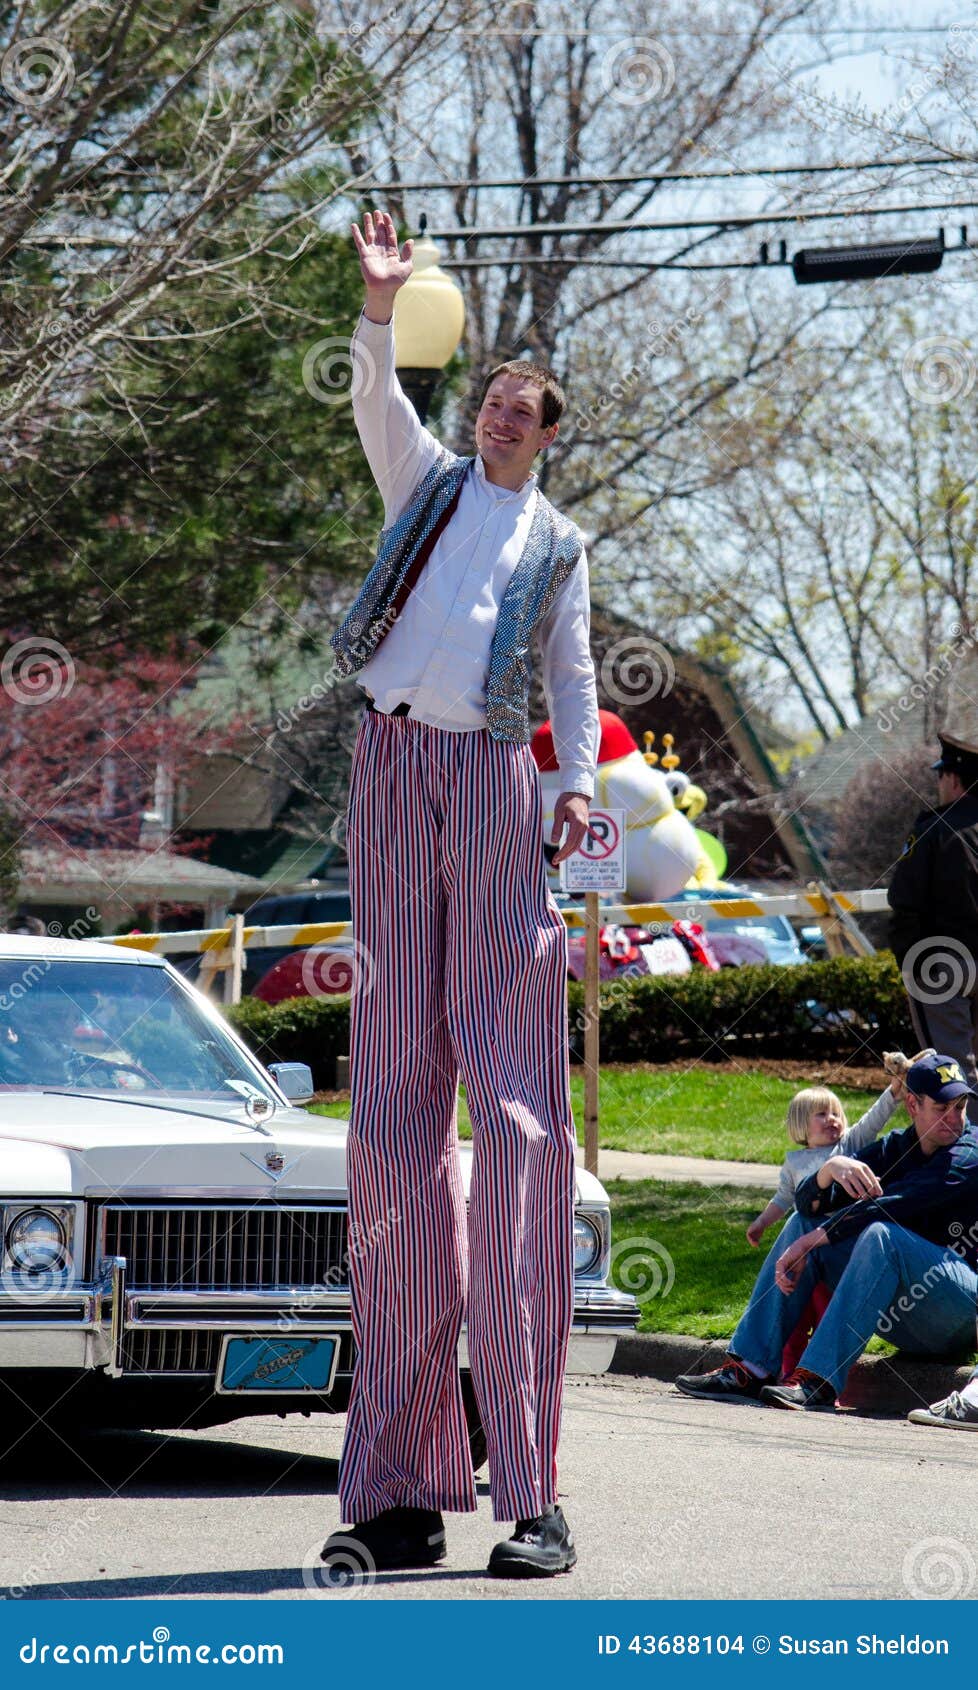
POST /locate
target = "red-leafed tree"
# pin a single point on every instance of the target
(85, 750)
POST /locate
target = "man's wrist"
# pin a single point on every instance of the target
(378, 306)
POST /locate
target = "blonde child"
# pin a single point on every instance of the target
(817, 1122)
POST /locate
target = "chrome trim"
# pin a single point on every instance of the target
(162, 1316)
(80, 1320)
(245, 1196)
(116, 1266)
(606, 1308)
(283, 1297)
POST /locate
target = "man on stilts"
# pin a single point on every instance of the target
(463, 961)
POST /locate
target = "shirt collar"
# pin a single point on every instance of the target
(497, 492)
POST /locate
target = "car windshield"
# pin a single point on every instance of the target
(114, 1027)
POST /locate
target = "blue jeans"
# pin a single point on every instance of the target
(918, 1295)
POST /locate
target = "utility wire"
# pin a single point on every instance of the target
(519, 231)
(571, 34)
(625, 180)
(631, 263)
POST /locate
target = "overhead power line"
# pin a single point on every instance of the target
(626, 179)
(519, 231)
(656, 32)
(782, 262)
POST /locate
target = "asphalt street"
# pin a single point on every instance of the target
(667, 1497)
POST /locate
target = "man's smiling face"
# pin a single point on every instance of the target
(509, 429)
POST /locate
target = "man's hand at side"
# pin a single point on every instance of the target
(572, 808)
(789, 1264)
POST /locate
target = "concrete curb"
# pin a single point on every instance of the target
(877, 1384)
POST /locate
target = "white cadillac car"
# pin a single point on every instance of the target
(174, 1227)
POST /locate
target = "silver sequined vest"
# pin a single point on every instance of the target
(552, 549)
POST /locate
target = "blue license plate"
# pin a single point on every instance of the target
(278, 1364)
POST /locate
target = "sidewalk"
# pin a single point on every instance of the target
(630, 1164)
(881, 1385)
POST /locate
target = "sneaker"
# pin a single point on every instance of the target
(952, 1411)
(733, 1382)
(399, 1537)
(537, 1549)
(802, 1390)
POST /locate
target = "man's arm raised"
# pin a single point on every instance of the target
(399, 450)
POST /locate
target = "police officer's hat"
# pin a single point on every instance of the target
(955, 760)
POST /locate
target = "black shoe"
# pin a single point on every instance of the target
(399, 1537)
(802, 1390)
(951, 1411)
(733, 1382)
(537, 1549)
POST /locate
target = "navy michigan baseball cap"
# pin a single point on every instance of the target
(939, 1077)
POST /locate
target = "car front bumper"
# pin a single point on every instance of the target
(95, 1326)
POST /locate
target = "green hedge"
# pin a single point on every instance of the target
(313, 1030)
(849, 1006)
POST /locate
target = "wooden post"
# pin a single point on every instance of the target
(234, 966)
(591, 1031)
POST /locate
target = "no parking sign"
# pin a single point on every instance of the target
(598, 864)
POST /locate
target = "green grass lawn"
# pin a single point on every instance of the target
(681, 1251)
(736, 1116)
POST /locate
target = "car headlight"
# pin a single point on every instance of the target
(36, 1240)
(587, 1244)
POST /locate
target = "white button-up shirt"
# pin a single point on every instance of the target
(436, 655)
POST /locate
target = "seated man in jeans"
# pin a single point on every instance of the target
(896, 1237)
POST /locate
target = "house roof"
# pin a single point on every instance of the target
(823, 777)
(64, 875)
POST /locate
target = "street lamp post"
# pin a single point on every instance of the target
(429, 316)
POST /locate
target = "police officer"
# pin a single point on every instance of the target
(934, 899)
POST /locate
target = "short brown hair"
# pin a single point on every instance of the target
(553, 394)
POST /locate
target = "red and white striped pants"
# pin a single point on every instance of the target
(462, 968)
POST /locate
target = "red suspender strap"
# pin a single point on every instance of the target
(423, 554)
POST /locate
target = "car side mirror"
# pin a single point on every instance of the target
(294, 1078)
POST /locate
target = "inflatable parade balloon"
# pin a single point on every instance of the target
(663, 852)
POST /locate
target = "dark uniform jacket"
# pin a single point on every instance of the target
(934, 890)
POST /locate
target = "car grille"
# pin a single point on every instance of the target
(171, 1352)
(254, 1248)
(187, 1353)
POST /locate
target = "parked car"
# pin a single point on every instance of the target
(301, 978)
(753, 939)
(174, 1226)
(627, 950)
